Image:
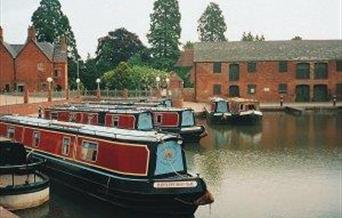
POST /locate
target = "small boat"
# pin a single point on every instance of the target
(22, 185)
(245, 111)
(141, 170)
(217, 112)
(176, 120)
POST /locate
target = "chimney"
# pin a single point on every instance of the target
(63, 43)
(1, 36)
(31, 34)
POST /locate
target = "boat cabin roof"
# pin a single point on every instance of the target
(90, 109)
(217, 99)
(243, 100)
(113, 133)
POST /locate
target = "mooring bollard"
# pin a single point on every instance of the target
(334, 100)
(281, 101)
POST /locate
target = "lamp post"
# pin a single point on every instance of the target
(49, 80)
(98, 94)
(158, 80)
(78, 81)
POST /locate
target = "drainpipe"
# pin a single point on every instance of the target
(195, 68)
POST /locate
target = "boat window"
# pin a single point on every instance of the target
(168, 103)
(145, 121)
(188, 118)
(159, 118)
(10, 132)
(36, 138)
(89, 151)
(169, 158)
(115, 121)
(241, 106)
(54, 116)
(72, 117)
(66, 145)
(251, 107)
(222, 107)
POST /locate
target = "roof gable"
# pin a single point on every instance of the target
(300, 50)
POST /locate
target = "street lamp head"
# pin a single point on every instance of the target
(78, 80)
(167, 80)
(49, 79)
(98, 80)
(157, 78)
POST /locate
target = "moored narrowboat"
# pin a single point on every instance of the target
(245, 111)
(176, 120)
(142, 170)
(120, 118)
(218, 111)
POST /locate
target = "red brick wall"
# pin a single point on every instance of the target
(27, 67)
(266, 78)
(6, 68)
(189, 94)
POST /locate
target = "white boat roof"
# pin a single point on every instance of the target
(114, 133)
(90, 109)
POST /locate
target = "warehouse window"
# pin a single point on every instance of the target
(251, 67)
(251, 89)
(234, 71)
(321, 70)
(217, 67)
(282, 65)
(217, 89)
(234, 91)
(303, 71)
(339, 66)
(282, 88)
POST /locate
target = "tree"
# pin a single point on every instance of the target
(297, 38)
(250, 37)
(188, 45)
(126, 76)
(211, 25)
(164, 33)
(51, 24)
(119, 45)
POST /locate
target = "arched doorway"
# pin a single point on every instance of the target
(302, 93)
(320, 93)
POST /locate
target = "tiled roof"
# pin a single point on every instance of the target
(54, 53)
(300, 50)
(186, 58)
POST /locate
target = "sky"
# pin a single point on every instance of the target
(91, 19)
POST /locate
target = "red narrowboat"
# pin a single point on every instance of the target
(141, 170)
(120, 118)
(176, 120)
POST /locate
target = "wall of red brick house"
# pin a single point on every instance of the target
(6, 68)
(62, 78)
(28, 72)
(266, 78)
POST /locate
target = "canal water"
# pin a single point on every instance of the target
(286, 166)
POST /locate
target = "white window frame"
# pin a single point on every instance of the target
(34, 143)
(11, 129)
(68, 149)
(97, 150)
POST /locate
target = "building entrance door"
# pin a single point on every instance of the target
(320, 93)
(302, 93)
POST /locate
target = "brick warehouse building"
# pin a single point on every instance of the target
(298, 70)
(27, 66)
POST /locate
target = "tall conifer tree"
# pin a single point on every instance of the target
(211, 25)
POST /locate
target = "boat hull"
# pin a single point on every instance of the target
(233, 119)
(189, 134)
(136, 194)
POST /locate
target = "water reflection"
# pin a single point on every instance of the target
(285, 167)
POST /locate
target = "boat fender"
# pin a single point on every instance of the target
(206, 198)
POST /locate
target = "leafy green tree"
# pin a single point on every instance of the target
(132, 77)
(164, 34)
(188, 45)
(51, 24)
(250, 37)
(119, 45)
(297, 38)
(211, 25)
